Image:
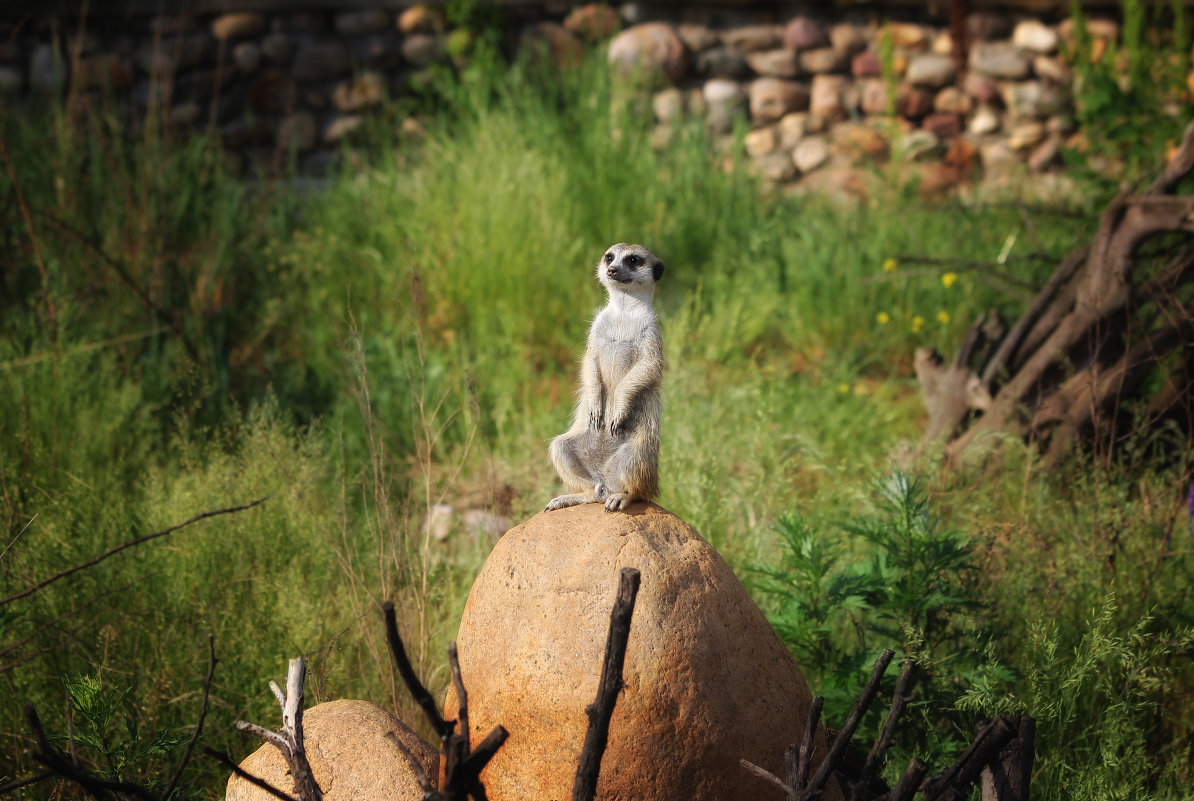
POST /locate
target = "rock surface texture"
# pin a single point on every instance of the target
(350, 755)
(707, 681)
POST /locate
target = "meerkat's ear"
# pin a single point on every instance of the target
(657, 269)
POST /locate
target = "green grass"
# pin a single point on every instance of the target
(409, 336)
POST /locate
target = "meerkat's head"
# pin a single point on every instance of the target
(629, 268)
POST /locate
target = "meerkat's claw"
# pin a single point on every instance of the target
(617, 502)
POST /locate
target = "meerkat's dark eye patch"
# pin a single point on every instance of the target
(633, 260)
(657, 270)
(609, 257)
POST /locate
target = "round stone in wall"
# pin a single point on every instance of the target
(420, 19)
(749, 38)
(827, 97)
(1000, 60)
(237, 25)
(930, 69)
(697, 37)
(952, 100)
(810, 153)
(651, 50)
(1035, 36)
(804, 33)
(781, 63)
(985, 121)
(761, 141)
(668, 105)
(772, 98)
(822, 60)
(866, 65)
(593, 22)
(1025, 135)
(848, 38)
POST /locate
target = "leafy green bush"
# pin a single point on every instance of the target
(1102, 731)
(903, 582)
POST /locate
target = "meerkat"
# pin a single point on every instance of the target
(611, 452)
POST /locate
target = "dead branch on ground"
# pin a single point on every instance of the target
(1110, 332)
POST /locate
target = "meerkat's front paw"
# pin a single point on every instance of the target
(615, 424)
(617, 502)
(564, 501)
(595, 419)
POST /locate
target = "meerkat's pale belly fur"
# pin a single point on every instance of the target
(610, 454)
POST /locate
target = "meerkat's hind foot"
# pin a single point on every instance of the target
(618, 501)
(564, 501)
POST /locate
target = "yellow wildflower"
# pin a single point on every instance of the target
(890, 265)
(918, 323)
(943, 317)
(843, 388)
(949, 279)
(883, 318)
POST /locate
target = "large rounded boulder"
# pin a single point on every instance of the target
(707, 681)
(351, 757)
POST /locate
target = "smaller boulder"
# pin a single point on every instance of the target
(351, 757)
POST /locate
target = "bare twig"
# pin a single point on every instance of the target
(804, 755)
(28, 780)
(137, 541)
(909, 783)
(290, 740)
(227, 762)
(186, 756)
(402, 664)
(899, 699)
(817, 784)
(602, 709)
(462, 768)
(954, 783)
(767, 775)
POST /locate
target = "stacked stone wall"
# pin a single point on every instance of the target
(818, 88)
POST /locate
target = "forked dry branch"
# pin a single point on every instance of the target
(1001, 755)
(1110, 329)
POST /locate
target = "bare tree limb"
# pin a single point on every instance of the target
(402, 663)
(137, 541)
(290, 740)
(602, 709)
(954, 784)
(899, 699)
(227, 762)
(767, 775)
(817, 785)
(804, 757)
(910, 781)
(186, 756)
